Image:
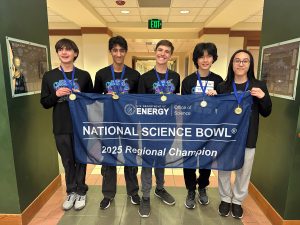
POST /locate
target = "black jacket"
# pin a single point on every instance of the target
(260, 106)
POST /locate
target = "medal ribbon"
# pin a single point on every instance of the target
(240, 97)
(121, 79)
(202, 88)
(69, 84)
(159, 80)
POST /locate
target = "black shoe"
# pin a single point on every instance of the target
(164, 196)
(144, 209)
(224, 208)
(135, 199)
(190, 200)
(203, 198)
(105, 203)
(237, 211)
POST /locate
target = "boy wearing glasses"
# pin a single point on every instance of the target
(117, 79)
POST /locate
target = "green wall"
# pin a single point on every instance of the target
(28, 154)
(8, 186)
(276, 170)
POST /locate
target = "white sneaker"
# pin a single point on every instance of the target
(69, 202)
(80, 202)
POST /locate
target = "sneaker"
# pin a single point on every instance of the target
(237, 211)
(80, 202)
(144, 209)
(190, 200)
(69, 202)
(224, 208)
(203, 198)
(164, 196)
(135, 199)
(105, 203)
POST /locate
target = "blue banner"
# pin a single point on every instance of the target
(142, 130)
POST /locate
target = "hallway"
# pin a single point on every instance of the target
(123, 212)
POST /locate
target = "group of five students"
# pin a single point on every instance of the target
(61, 82)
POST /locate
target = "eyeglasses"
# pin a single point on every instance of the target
(121, 50)
(239, 61)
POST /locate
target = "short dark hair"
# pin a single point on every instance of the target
(200, 48)
(68, 44)
(165, 43)
(230, 73)
(117, 40)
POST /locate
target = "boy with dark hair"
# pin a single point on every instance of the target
(203, 82)
(58, 85)
(159, 80)
(117, 79)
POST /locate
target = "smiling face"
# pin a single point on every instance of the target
(66, 56)
(204, 62)
(241, 64)
(163, 54)
(118, 54)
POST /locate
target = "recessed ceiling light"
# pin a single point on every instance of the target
(125, 11)
(184, 11)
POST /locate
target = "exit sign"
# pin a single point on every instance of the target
(154, 24)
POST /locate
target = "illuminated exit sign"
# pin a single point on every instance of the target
(154, 24)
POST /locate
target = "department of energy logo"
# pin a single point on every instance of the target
(129, 109)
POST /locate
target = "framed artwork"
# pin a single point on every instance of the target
(27, 64)
(279, 68)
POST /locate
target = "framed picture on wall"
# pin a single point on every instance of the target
(27, 64)
(279, 68)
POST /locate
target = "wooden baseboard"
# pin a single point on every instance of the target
(10, 219)
(268, 209)
(291, 222)
(27, 215)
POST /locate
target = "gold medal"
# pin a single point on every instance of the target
(115, 96)
(203, 103)
(163, 98)
(238, 110)
(72, 96)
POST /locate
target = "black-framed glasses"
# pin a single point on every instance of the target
(239, 61)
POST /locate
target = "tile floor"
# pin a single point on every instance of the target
(122, 212)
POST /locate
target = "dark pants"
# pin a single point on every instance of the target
(109, 181)
(74, 172)
(191, 180)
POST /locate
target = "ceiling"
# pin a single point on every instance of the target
(233, 14)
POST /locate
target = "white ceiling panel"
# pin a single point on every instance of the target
(207, 11)
(103, 11)
(146, 18)
(109, 19)
(154, 11)
(254, 19)
(117, 11)
(56, 19)
(188, 3)
(201, 18)
(96, 3)
(128, 18)
(213, 3)
(192, 11)
(181, 19)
